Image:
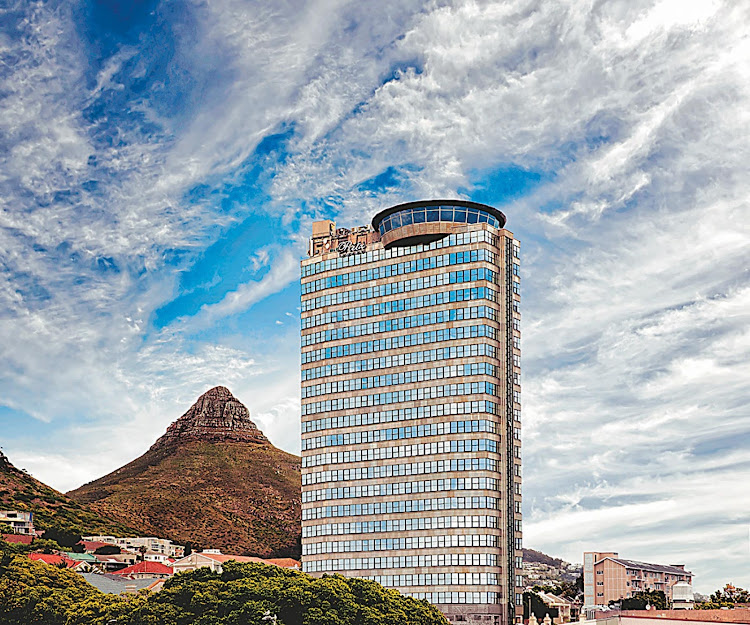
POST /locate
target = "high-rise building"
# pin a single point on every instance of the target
(411, 414)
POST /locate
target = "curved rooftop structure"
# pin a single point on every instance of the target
(426, 221)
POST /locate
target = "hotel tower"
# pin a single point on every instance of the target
(411, 414)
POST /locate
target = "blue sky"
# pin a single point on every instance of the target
(161, 164)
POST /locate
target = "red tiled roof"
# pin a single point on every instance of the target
(51, 558)
(220, 557)
(154, 568)
(21, 539)
(287, 563)
(93, 545)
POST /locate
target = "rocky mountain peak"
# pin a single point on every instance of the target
(217, 416)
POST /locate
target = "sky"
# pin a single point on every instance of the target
(161, 164)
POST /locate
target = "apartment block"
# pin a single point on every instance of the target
(607, 577)
(411, 414)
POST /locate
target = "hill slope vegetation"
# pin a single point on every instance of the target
(212, 480)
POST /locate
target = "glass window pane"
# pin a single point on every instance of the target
(460, 215)
(446, 213)
(418, 215)
(433, 214)
(395, 221)
(483, 217)
(405, 217)
(387, 224)
(473, 216)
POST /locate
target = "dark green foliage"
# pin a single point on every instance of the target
(107, 550)
(532, 603)
(63, 537)
(34, 593)
(655, 598)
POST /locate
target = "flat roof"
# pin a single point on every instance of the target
(425, 203)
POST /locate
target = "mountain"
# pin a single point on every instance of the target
(213, 479)
(20, 491)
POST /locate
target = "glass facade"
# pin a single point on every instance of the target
(445, 213)
(441, 366)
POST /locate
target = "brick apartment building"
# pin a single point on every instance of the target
(607, 577)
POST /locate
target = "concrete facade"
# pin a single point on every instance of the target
(21, 522)
(411, 449)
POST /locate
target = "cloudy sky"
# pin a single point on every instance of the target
(161, 164)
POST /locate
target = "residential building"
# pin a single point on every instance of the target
(214, 559)
(19, 539)
(19, 521)
(134, 543)
(411, 431)
(607, 577)
(146, 570)
(562, 605)
(53, 559)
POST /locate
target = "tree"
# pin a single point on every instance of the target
(63, 537)
(34, 592)
(533, 603)
(107, 550)
(655, 598)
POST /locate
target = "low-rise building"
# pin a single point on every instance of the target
(607, 577)
(151, 543)
(563, 606)
(214, 559)
(19, 521)
(146, 570)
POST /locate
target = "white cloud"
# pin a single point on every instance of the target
(635, 271)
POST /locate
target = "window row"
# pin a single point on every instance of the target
(400, 562)
(392, 434)
(403, 377)
(400, 360)
(394, 288)
(400, 525)
(398, 470)
(436, 579)
(399, 507)
(401, 451)
(389, 489)
(397, 397)
(437, 598)
(387, 307)
(399, 544)
(412, 321)
(401, 414)
(373, 256)
(397, 342)
(429, 214)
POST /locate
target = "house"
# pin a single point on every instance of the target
(213, 559)
(115, 585)
(286, 563)
(19, 539)
(19, 521)
(150, 543)
(146, 570)
(115, 562)
(53, 559)
(562, 605)
(90, 546)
